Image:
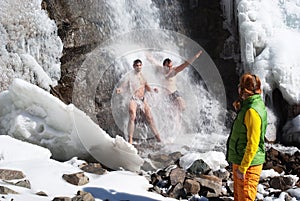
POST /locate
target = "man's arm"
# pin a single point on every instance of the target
(153, 61)
(123, 86)
(188, 62)
(147, 87)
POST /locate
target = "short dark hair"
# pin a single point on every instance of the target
(166, 61)
(137, 61)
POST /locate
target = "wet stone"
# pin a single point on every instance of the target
(198, 167)
(78, 179)
(11, 174)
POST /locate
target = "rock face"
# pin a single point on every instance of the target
(79, 30)
(82, 28)
(204, 23)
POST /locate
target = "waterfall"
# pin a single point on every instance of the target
(129, 29)
(137, 30)
(127, 15)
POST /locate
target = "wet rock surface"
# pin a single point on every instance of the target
(218, 185)
(82, 28)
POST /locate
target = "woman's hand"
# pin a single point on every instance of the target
(240, 175)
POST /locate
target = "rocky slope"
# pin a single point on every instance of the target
(198, 182)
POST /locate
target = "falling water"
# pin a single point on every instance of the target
(137, 31)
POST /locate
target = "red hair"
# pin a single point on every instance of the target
(249, 85)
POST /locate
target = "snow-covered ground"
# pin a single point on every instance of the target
(29, 113)
(45, 174)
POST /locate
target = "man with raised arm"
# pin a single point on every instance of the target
(169, 71)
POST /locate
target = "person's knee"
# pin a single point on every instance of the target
(181, 104)
(182, 107)
(132, 115)
(149, 118)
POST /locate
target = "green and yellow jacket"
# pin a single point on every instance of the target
(246, 144)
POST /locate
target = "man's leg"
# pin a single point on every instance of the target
(180, 103)
(132, 116)
(180, 107)
(151, 121)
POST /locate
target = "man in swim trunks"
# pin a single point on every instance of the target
(169, 81)
(138, 86)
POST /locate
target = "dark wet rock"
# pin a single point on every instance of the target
(163, 183)
(156, 189)
(169, 169)
(175, 156)
(24, 183)
(148, 165)
(83, 196)
(178, 192)
(11, 174)
(282, 183)
(62, 199)
(191, 186)
(42, 193)
(283, 162)
(78, 179)
(5, 190)
(223, 174)
(162, 173)
(155, 178)
(199, 167)
(212, 183)
(177, 176)
(161, 160)
(94, 168)
(218, 185)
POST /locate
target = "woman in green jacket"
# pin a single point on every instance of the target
(246, 145)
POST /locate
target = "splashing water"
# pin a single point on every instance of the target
(201, 126)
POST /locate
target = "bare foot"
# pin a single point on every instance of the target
(158, 138)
